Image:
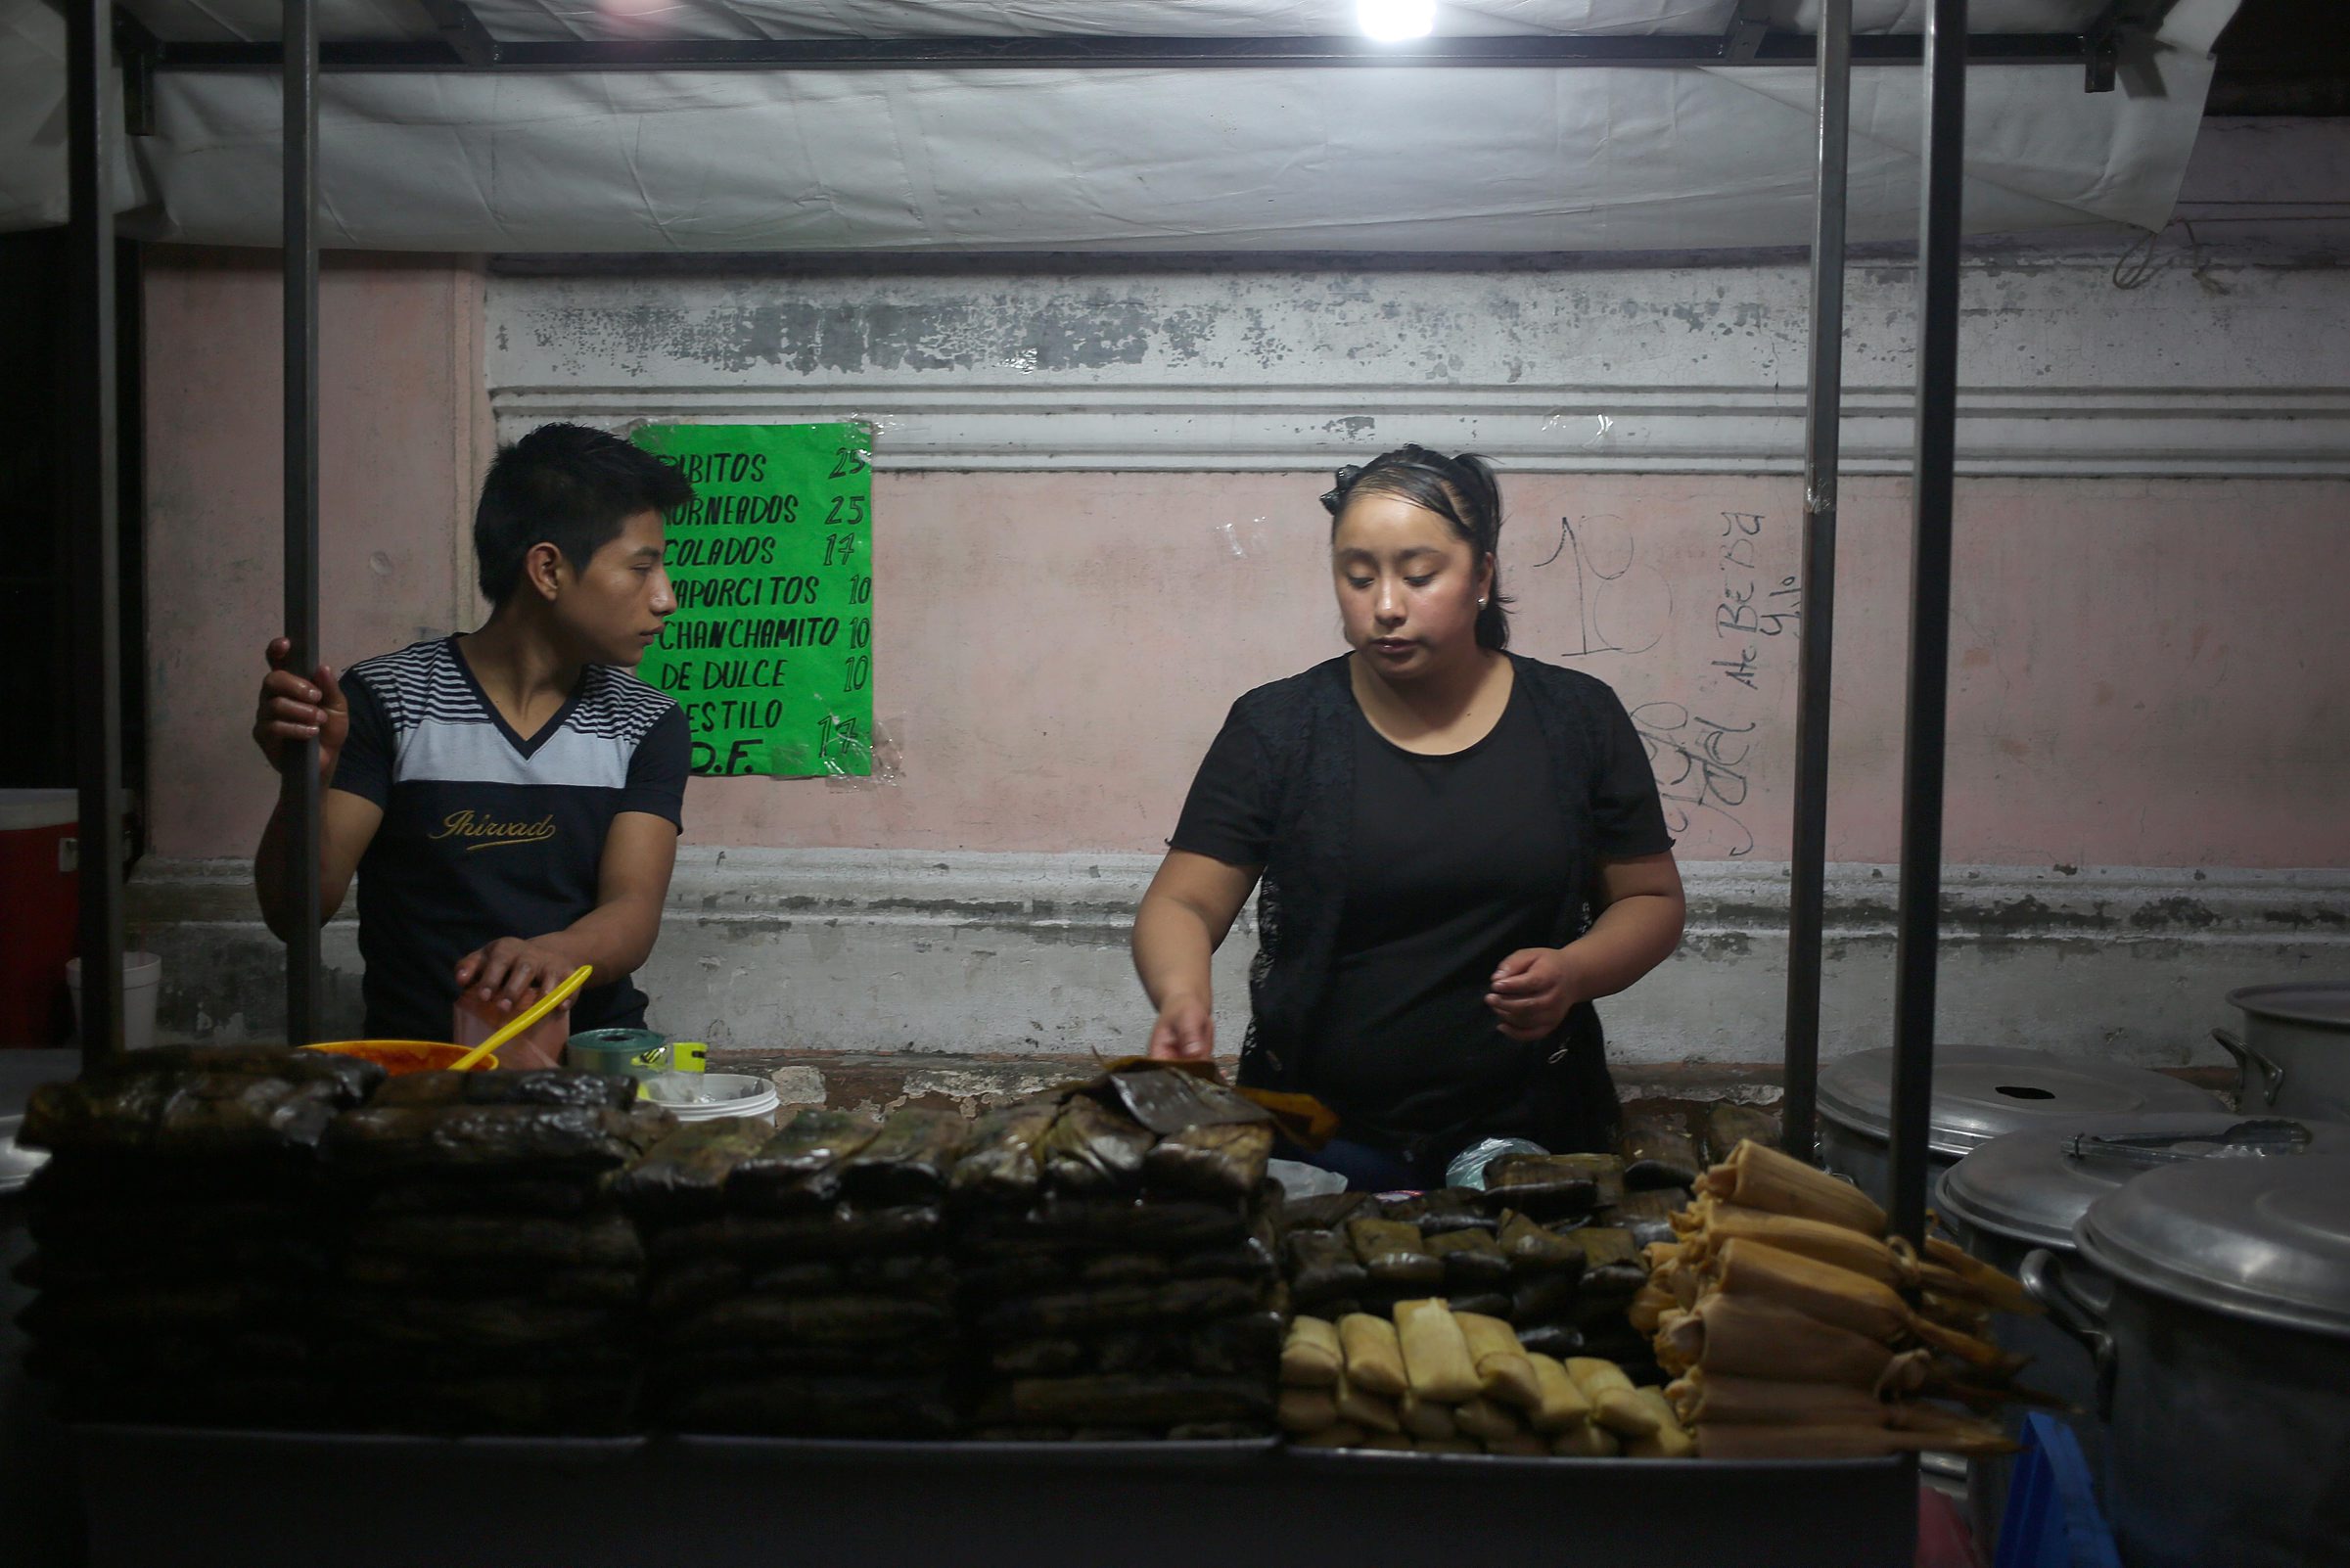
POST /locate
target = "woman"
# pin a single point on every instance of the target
(1458, 849)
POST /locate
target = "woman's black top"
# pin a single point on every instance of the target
(1420, 874)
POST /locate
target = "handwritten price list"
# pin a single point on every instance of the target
(770, 651)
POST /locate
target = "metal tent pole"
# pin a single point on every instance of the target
(97, 538)
(302, 501)
(1822, 414)
(1929, 612)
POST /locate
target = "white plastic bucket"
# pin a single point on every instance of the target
(142, 979)
(708, 1096)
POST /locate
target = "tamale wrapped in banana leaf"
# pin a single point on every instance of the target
(1123, 1222)
(1603, 1245)
(798, 1169)
(1647, 1216)
(1156, 1402)
(818, 1319)
(842, 1230)
(1657, 1150)
(1472, 1260)
(691, 1286)
(683, 1366)
(548, 1086)
(1532, 1250)
(1552, 1186)
(352, 1076)
(1243, 1344)
(1169, 1096)
(1539, 1299)
(685, 1174)
(999, 1162)
(1329, 1211)
(193, 1309)
(1558, 1341)
(909, 1161)
(923, 1273)
(475, 1322)
(1038, 1357)
(820, 1407)
(1441, 1212)
(515, 1140)
(190, 1116)
(1092, 1150)
(1114, 1307)
(1393, 1253)
(569, 1286)
(1140, 1350)
(1727, 1125)
(1121, 1269)
(495, 1194)
(1492, 1302)
(1219, 1160)
(1322, 1266)
(1250, 1258)
(604, 1241)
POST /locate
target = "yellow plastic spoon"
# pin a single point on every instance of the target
(561, 994)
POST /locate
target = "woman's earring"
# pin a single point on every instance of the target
(1480, 604)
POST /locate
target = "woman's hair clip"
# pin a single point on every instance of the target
(1335, 498)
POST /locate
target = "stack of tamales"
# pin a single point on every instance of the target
(801, 1281)
(1429, 1379)
(1794, 1327)
(1554, 1270)
(1117, 1264)
(183, 1241)
(487, 1281)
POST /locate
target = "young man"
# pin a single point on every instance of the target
(510, 798)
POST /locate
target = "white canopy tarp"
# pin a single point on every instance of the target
(1436, 158)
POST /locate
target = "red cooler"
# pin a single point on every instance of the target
(40, 910)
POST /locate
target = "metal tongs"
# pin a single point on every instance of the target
(2260, 1138)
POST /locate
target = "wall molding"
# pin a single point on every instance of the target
(2228, 368)
(958, 953)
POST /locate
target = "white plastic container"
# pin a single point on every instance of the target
(142, 980)
(708, 1096)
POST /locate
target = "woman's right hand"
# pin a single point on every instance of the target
(293, 710)
(1185, 1030)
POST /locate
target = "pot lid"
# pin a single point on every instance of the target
(1981, 1092)
(2268, 1240)
(2321, 1003)
(2031, 1186)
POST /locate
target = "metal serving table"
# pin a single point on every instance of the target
(158, 1496)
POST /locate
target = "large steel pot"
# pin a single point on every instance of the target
(2025, 1191)
(2224, 1359)
(2294, 1057)
(1980, 1093)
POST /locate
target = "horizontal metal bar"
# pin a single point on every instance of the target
(1103, 54)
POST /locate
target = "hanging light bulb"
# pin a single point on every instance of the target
(1391, 20)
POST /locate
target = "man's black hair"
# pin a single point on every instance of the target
(569, 487)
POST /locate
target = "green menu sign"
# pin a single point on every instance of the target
(771, 649)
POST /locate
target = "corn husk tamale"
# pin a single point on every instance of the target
(1375, 1359)
(1436, 1355)
(1585, 1439)
(1500, 1361)
(1701, 1396)
(1300, 1411)
(1842, 1298)
(1670, 1440)
(1757, 1176)
(1423, 1420)
(1311, 1357)
(1373, 1412)
(1485, 1419)
(1736, 1336)
(1614, 1403)
(1563, 1405)
(1709, 1223)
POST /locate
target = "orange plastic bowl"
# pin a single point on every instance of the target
(399, 1057)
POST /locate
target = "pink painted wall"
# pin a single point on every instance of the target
(403, 433)
(2145, 673)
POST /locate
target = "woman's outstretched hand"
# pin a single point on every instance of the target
(1532, 992)
(1184, 1032)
